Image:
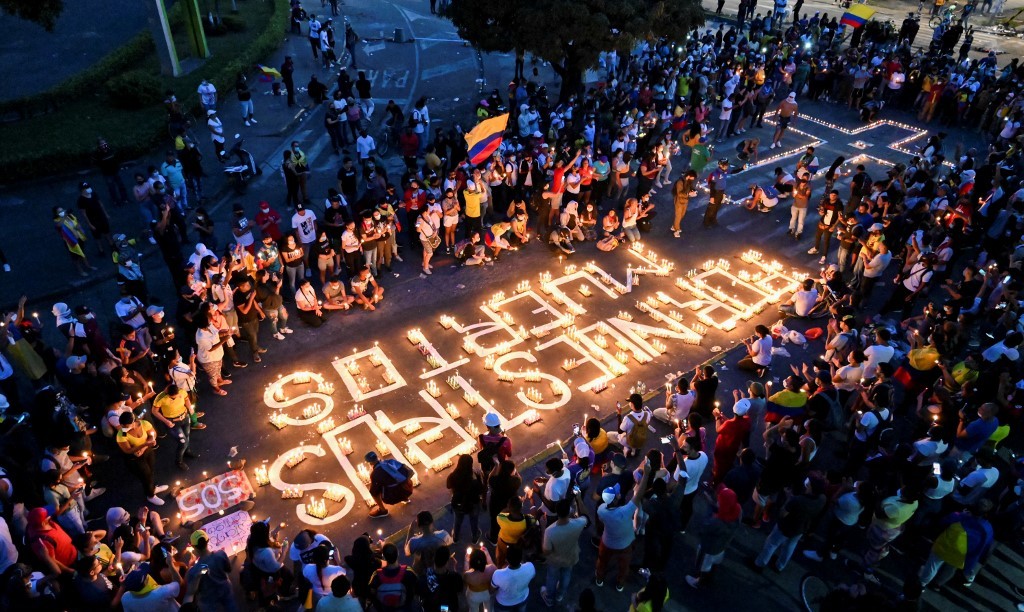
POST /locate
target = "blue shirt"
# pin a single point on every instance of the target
(618, 526)
(978, 431)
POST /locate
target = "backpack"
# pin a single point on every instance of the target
(391, 593)
(488, 455)
(637, 437)
(400, 488)
(765, 95)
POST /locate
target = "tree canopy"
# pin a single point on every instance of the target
(43, 12)
(571, 33)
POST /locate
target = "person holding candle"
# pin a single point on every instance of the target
(137, 440)
(759, 352)
(634, 426)
(174, 409)
(390, 483)
(210, 343)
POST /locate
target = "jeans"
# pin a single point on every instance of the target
(182, 430)
(148, 211)
(142, 467)
(370, 259)
(776, 540)
(844, 259)
(933, 565)
(366, 104)
(278, 319)
(474, 522)
(686, 510)
(632, 233)
(292, 273)
(796, 219)
(557, 581)
(247, 109)
(249, 331)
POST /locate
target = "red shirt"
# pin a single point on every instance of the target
(557, 182)
(272, 230)
(414, 201)
(734, 433)
(409, 143)
(58, 543)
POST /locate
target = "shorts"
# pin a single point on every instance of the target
(427, 249)
(784, 121)
(324, 264)
(450, 220)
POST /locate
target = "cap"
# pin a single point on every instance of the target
(300, 206)
(154, 310)
(609, 494)
(197, 535)
(136, 579)
(211, 113)
(74, 361)
(877, 227)
(742, 407)
(492, 420)
(537, 134)
(581, 448)
(264, 205)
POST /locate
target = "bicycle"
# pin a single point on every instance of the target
(813, 592)
(386, 138)
(943, 17)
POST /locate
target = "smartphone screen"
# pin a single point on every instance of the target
(576, 430)
(936, 469)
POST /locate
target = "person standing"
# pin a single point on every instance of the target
(210, 354)
(110, 167)
(717, 184)
(288, 78)
(797, 518)
(70, 231)
(304, 224)
(886, 525)
(207, 95)
(683, 189)
(95, 216)
(715, 536)
(561, 548)
(964, 543)
(421, 548)
(137, 440)
(314, 36)
(467, 488)
(733, 435)
(616, 515)
(351, 39)
(363, 91)
(788, 110)
(174, 409)
(798, 211)
(216, 128)
(691, 463)
(245, 100)
(250, 313)
(209, 578)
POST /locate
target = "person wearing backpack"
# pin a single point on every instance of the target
(390, 483)
(495, 446)
(421, 547)
(393, 587)
(635, 426)
(824, 405)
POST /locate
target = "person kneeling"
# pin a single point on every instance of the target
(762, 199)
(307, 306)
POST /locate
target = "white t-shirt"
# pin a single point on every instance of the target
(929, 450)
(999, 349)
(877, 265)
(205, 339)
(8, 553)
(513, 585)
(850, 375)
(365, 145)
(130, 310)
(762, 351)
(876, 354)
(322, 586)
(556, 489)
(306, 226)
(681, 404)
(691, 470)
(976, 483)
(803, 301)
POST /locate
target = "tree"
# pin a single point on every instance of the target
(571, 34)
(43, 12)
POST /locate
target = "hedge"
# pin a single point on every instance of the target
(70, 136)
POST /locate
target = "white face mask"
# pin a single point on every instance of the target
(61, 214)
(88, 191)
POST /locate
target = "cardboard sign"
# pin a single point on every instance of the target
(211, 496)
(229, 533)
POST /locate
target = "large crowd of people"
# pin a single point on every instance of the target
(893, 436)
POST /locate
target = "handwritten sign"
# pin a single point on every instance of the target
(229, 533)
(214, 495)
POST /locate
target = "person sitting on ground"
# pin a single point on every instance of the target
(561, 238)
(472, 251)
(803, 300)
(335, 296)
(784, 183)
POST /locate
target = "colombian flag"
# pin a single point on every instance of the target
(857, 16)
(267, 73)
(485, 138)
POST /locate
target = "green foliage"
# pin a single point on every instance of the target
(134, 89)
(233, 23)
(83, 110)
(571, 33)
(43, 12)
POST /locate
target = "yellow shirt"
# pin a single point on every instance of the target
(127, 441)
(963, 374)
(171, 407)
(923, 359)
(789, 399)
(509, 531)
(472, 203)
(600, 443)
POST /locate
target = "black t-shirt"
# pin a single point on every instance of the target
(363, 88)
(241, 298)
(334, 215)
(438, 590)
(349, 179)
(268, 298)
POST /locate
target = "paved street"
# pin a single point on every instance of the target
(439, 66)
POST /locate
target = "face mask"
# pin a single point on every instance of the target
(88, 191)
(127, 263)
(200, 217)
(376, 217)
(61, 214)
